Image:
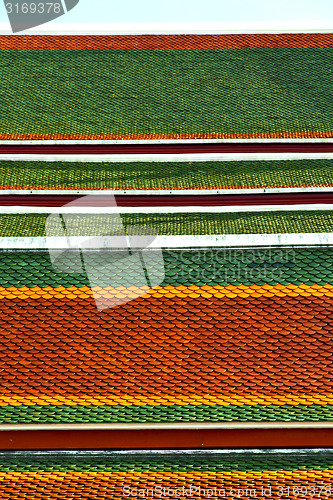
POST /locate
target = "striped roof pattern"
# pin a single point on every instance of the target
(112, 475)
(198, 86)
(227, 336)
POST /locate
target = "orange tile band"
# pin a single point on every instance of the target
(162, 42)
(104, 137)
(185, 346)
(168, 291)
(88, 483)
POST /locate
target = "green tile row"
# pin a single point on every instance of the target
(167, 175)
(224, 91)
(182, 267)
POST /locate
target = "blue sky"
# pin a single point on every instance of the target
(149, 11)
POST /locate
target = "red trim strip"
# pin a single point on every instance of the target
(166, 439)
(75, 149)
(59, 200)
(162, 42)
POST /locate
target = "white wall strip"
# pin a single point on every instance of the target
(145, 452)
(162, 141)
(242, 240)
(171, 425)
(309, 207)
(180, 157)
(193, 192)
(172, 242)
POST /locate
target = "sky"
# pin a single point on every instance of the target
(319, 12)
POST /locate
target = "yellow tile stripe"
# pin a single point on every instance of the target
(140, 478)
(169, 400)
(169, 291)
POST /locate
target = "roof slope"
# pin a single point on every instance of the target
(148, 87)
